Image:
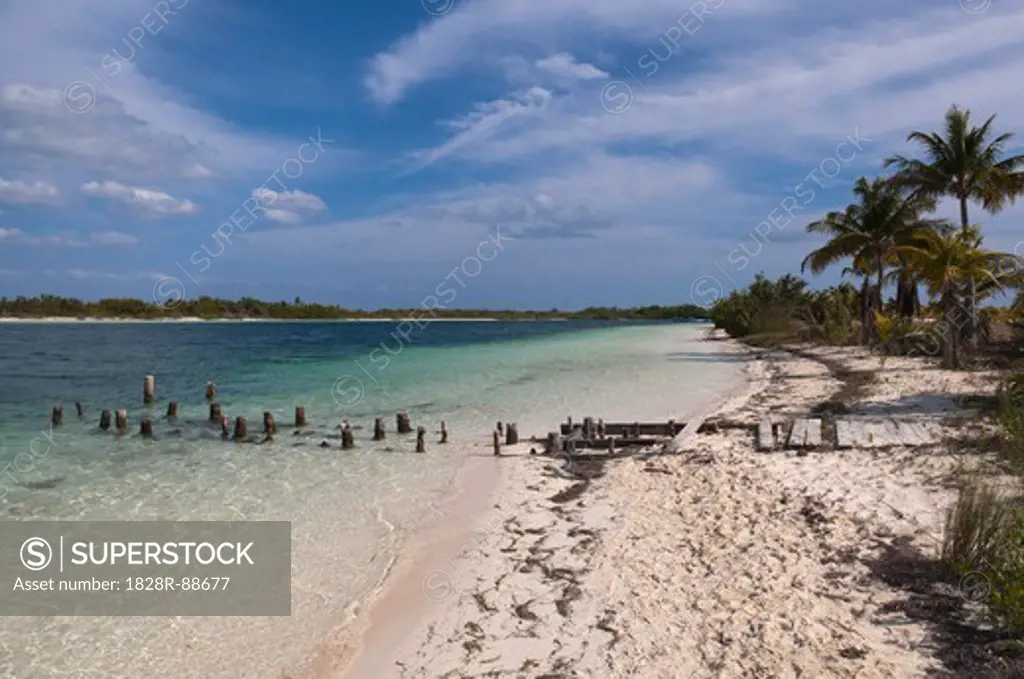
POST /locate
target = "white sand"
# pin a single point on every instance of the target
(719, 562)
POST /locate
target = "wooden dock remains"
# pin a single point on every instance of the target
(805, 434)
(148, 390)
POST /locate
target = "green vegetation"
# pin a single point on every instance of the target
(248, 307)
(886, 237)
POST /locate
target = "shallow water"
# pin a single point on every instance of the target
(351, 510)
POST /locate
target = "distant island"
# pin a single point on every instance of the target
(248, 308)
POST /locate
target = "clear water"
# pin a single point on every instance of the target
(350, 510)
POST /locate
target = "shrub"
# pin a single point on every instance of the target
(985, 537)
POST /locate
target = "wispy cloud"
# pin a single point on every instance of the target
(147, 202)
(97, 239)
(16, 191)
(565, 65)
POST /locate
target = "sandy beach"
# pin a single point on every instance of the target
(716, 562)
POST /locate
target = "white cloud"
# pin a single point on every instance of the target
(197, 171)
(112, 238)
(16, 191)
(92, 274)
(565, 65)
(480, 124)
(297, 199)
(444, 46)
(287, 205)
(283, 216)
(146, 201)
(98, 238)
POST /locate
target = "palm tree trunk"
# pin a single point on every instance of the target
(950, 347)
(865, 307)
(972, 302)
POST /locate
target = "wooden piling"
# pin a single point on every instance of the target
(444, 432)
(148, 390)
(121, 421)
(225, 429)
(211, 391)
(670, 429)
(497, 442)
(105, 419)
(588, 428)
(347, 440)
(600, 427)
(146, 428)
(378, 429)
(215, 412)
(79, 410)
(269, 428)
(402, 425)
(611, 445)
(172, 410)
(501, 429)
(421, 443)
(57, 416)
(553, 445)
(241, 428)
(300, 416)
(511, 434)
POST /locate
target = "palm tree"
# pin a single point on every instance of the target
(947, 263)
(969, 164)
(885, 216)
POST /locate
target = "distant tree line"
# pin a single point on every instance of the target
(249, 307)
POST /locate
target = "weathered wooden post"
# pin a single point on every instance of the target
(403, 425)
(215, 412)
(347, 440)
(300, 416)
(588, 428)
(172, 410)
(148, 390)
(636, 429)
(57, 416)
(554, 443)
(146, 428)
(497, 442)
(671, 428)
(611, 445)
(511, 434)
(241, 428)
(501, 428)
(269, 428)
(225, 430)
(378, 429)
(211, 391)
(121, 421)
(600, 427)
(568, 421)
(79, 410)
(105, 419)
(444, 432)
(421, 444)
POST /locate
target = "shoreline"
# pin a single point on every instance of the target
(717, 559)
(431, 573)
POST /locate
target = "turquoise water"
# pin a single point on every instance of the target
(350, 510)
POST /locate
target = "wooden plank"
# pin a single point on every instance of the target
(844, 434)
(813, 439)
(765, 434)
(797, 434)
(686, 433)
(646, 428)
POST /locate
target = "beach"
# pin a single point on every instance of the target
(357, 516)
(716, 562)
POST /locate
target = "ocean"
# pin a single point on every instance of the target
(351, 511)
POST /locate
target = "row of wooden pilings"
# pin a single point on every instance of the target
(241, 428)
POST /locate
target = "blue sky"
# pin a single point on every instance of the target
(525, 153)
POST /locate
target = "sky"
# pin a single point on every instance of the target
(492, 153)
